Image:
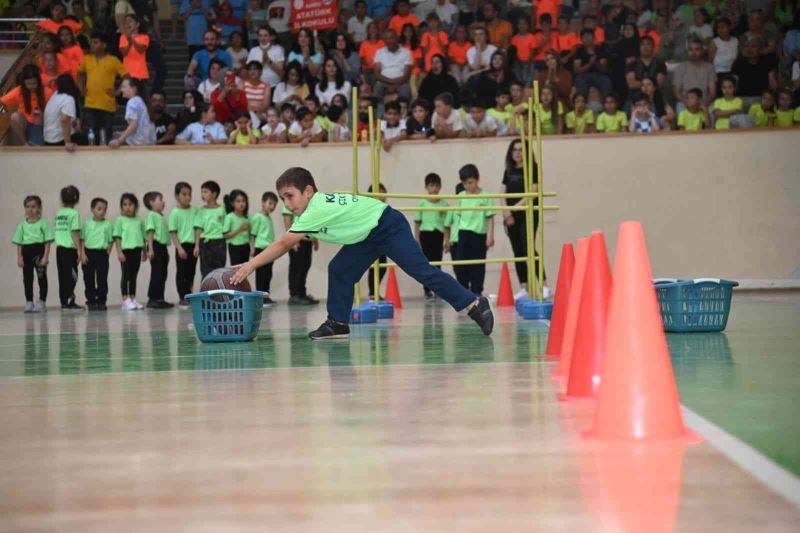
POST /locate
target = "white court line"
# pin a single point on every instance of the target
(774, 476)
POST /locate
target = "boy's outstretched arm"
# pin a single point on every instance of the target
(270, 254)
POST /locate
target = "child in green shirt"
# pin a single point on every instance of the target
(475, 230)
(727, 106)
(67, 236)
(157, 235)
(236, 227)
(580, 119)
(611, 120)
(764, 113)
(784, 114)
(429, 225)
(181, 231)
(33, 238)
(97, 238)
(208, 233)
(130, 241)
(367, 228)
(695, 116)
(262, 234)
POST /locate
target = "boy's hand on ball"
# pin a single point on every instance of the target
(242, 271)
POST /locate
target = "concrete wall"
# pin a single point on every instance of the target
(713, 204)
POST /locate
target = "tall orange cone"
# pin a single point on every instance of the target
(573, 304)
(590, 332)
(392, 292)
(637, 398)
(566, 269)
(505, 297)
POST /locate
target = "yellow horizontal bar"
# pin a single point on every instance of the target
(449, 196)
(464, 262)
(476, 208)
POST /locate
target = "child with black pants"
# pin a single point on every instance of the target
(382, 259)
(236, 227)
(67, 236)
(157, 240)
(299, 264)
(429, 225)
(208, 236)
(33, 238)
(129, 238)
(475, 230)
(181, 231)
(262, 234)
(97, 238)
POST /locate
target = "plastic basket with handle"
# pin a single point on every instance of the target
(225, 315)
(701, 304)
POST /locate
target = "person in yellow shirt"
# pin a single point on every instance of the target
(552, 113)
(581, 118)
(695, 116)
(244, 132)
(785, 114)
(611, 120)
(97, 75)
(763, 114)
(727, 106)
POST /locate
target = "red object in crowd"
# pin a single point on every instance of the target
(235, 101)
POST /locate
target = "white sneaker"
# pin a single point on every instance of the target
(40, 307)
(136, 304)
(522, 293)
(29, 308)
(128, 305)
(546, 292)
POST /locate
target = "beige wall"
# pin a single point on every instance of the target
(723, 205)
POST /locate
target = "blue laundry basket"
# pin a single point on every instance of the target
(225, 315)
(701, 304)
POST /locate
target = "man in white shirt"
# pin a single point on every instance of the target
(206, 131)
(271, 56)
(357, 25)
(392, 68)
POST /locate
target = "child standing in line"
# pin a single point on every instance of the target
(209, 243)
(157, 232)
(68, 246)
(429, 226)
(475, 229)
(299, 263)
(611, 120)
(129, 238)
(181, 231)
(97, 236)
(366, 228)
(33, 238)
(262, 234)
(236, 228)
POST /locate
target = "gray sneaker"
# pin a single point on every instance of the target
(29, 307)
(40, 307)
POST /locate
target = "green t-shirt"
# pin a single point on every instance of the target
(691, 121)
(97, 235)
(451, 221)
(181, 222)
(130, 232)
(612, 123)
(232, 222)
(725, 105)
(241, 138)
(579, 123)
(262, 229)
(431, 220)
(32, 233)
(784, 119)
(211, 222)
(502, 116)
(67, 220)
(548, 124)
(760, 116)
(476, 221)
(339, 218)
(155, 222)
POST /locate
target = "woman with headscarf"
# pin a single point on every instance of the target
(438, 81)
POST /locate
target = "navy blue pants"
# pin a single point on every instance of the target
(391, 237)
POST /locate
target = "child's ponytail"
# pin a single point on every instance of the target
(227, 201)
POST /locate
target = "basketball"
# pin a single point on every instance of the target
(220, 278)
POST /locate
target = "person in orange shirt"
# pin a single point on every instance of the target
(56, 20)
(48, 42)
(434, 41)
(457, 54)
(599, 33)
(546, 40)
(26, 103)
(71, 49)
(369, 47)
(50, 71)
(523, 43)
(500, 31)
(403, 17)
(133, 47)
(549, 7)
(568, 42)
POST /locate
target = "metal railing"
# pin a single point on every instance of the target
(17, 32)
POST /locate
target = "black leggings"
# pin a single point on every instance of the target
(239, 253)
(299, 265)
(432, 243)
(185, 270)
(263, 274)
(67, 265)
(212, 255)
(130, 270)
(32, 255)
(517, 234)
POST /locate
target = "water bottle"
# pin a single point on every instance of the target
(103, 140)
(90, 137)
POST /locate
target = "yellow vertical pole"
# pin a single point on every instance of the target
(354, 131)
(539, 189)
(526, 182)
(533, 288)
(376, 182)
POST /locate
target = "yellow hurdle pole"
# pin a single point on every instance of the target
(540, 185)
(414, 196)
(529, 242)
(376, 180)
(526, 171)
(354, 131)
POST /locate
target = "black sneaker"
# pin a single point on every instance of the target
(164, 305)
(297, 300)
(330, 329)
(429, 296)
(310, 300)
(152, 304)
(100, 307)
(91, 306)
(72, 306)
(268, 302)
(482, 314)
(184, 303)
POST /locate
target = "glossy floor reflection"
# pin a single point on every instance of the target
(127, 423)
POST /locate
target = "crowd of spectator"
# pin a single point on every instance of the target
(430, 69)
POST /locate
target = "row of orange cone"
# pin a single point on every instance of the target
(608, 337)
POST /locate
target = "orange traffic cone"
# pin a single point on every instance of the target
(573, 304)
(392, 292)
(637, 398)
(505, 298)
(590, 332)
(566, 269)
